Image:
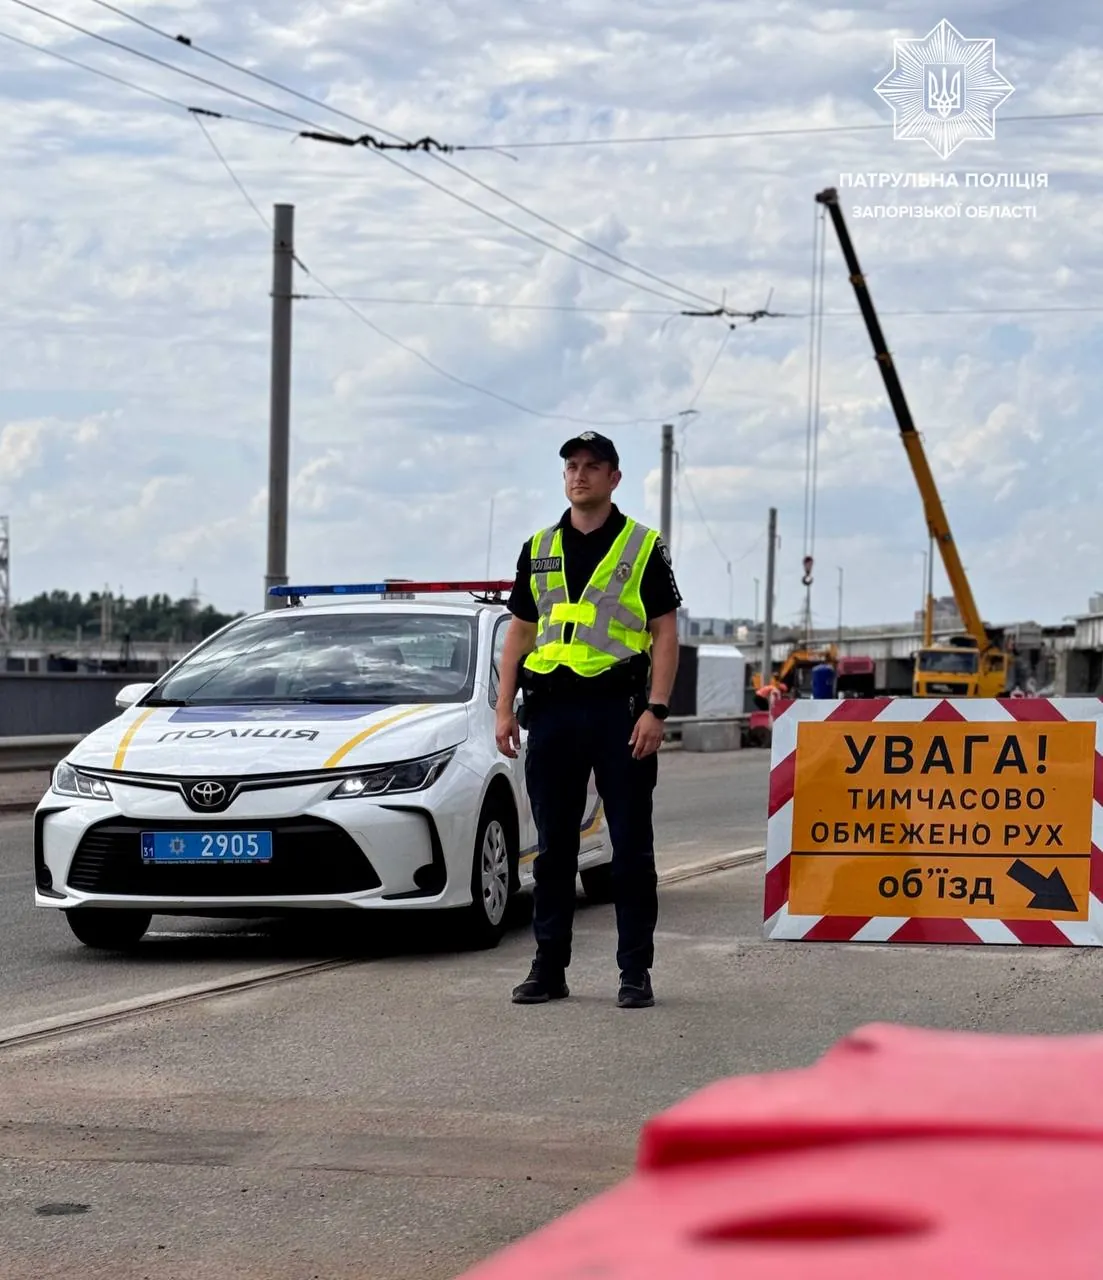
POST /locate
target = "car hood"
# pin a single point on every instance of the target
(187, 741)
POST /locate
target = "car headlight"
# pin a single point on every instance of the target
(68, 781)
(377, 780)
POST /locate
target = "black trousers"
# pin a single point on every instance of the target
(567, 739)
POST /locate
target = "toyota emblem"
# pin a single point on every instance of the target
(208, 794)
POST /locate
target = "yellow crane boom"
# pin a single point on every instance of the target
(990, 676)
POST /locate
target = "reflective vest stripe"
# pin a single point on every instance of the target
(547, 543)
(609, 621)
(609, 608)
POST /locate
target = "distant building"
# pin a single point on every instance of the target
(737, 630)
(946, 616)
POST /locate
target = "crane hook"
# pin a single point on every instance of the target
(807, 579)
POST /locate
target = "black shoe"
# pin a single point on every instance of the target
(635, 991)
(541, 986)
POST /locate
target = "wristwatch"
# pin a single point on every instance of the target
(659, 710)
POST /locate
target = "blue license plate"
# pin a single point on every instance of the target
(206, 846)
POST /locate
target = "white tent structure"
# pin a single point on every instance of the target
(721, 676)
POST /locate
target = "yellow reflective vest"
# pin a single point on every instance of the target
(609, 621)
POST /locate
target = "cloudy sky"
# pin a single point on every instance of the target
(134, 388)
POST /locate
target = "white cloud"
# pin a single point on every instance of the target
(134, 392)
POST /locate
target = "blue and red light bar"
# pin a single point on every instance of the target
(390, 588)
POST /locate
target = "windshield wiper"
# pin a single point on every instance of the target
(166, 702)
(360, 700)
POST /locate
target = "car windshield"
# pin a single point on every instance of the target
(954, 661)
(296, 656)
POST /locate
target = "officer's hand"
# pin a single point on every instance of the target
(507, 734)
(647, 736)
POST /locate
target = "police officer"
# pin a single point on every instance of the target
(594, 609)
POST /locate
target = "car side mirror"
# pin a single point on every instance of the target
(129, 694)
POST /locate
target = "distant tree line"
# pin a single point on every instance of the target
(59, 615)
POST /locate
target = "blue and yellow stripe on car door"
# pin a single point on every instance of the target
(356, 739)
(589, 825)
(128, 737)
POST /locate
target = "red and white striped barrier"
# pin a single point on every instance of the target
(915, 820)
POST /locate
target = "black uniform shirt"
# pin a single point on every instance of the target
(582, 553)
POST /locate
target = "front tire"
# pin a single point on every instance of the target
(109, 928)
(493, 879)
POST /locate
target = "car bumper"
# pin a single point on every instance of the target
(400, 852)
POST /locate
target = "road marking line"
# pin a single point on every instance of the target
(89, 1019)
(86, 1019)
(715, 862)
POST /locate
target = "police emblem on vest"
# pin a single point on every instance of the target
(608, 623)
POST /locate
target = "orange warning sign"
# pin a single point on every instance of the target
(943, 819)
(998, 887)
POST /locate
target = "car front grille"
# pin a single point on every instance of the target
(309, 856)
(947, 687)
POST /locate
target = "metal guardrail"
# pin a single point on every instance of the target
(675, 724)
(43, 751)
(40, 751)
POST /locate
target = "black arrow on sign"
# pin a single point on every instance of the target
(1050, 892)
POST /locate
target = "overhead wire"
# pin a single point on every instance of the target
(484, 304)
(816, 228)
(424, 359)
(480, 304)
(683, 460)
(817, 400)
(729, 561)
(472, 386)
(548, 244)
(726, 134)
(486, 186)
(712, 367)
(812, 436)
(168, 66)
(233, 176)
(701, 516)
(333, 293)
(320, 133)
(138, 88)
(333, 136)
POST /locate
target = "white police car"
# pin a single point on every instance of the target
(327, 755)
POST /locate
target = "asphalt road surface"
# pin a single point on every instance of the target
(401, 1118)
(705, 804)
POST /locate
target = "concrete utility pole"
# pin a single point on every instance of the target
(5, 585)
(667, 481)
(105, 617)
(279, 414)
(768, 624)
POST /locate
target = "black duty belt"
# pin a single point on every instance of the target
(568, 684)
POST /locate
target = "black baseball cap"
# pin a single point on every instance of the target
(600, 446)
